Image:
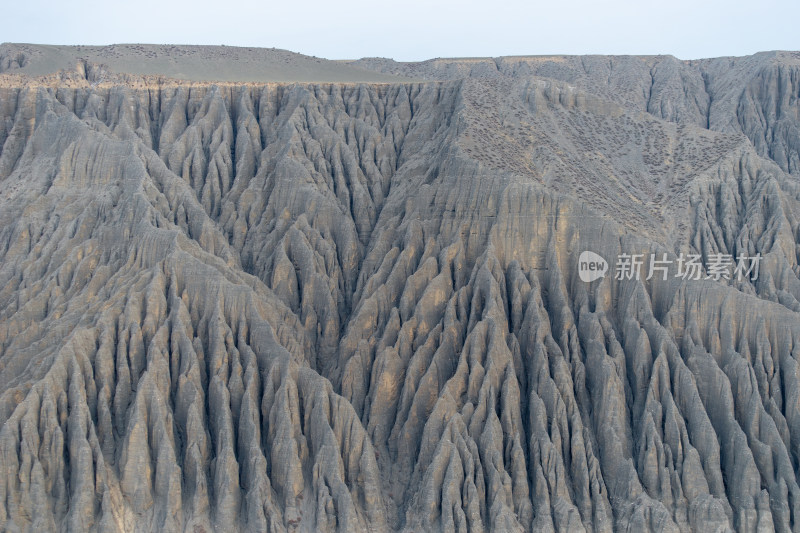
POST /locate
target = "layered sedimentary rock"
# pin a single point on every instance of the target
(354, 307)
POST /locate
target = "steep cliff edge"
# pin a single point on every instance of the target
(356, 306)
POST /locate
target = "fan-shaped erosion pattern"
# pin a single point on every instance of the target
(355, 306)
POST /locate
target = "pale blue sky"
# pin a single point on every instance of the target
(414, 30)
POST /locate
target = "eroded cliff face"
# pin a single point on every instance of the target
(346, 307)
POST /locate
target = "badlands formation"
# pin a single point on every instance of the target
(250, 290)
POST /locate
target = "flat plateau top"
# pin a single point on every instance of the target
(192, 63)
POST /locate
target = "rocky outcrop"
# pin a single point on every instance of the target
(357, 307)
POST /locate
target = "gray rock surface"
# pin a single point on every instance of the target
(356, 307)
(193, 63)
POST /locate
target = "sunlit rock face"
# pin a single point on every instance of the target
(356, 306)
